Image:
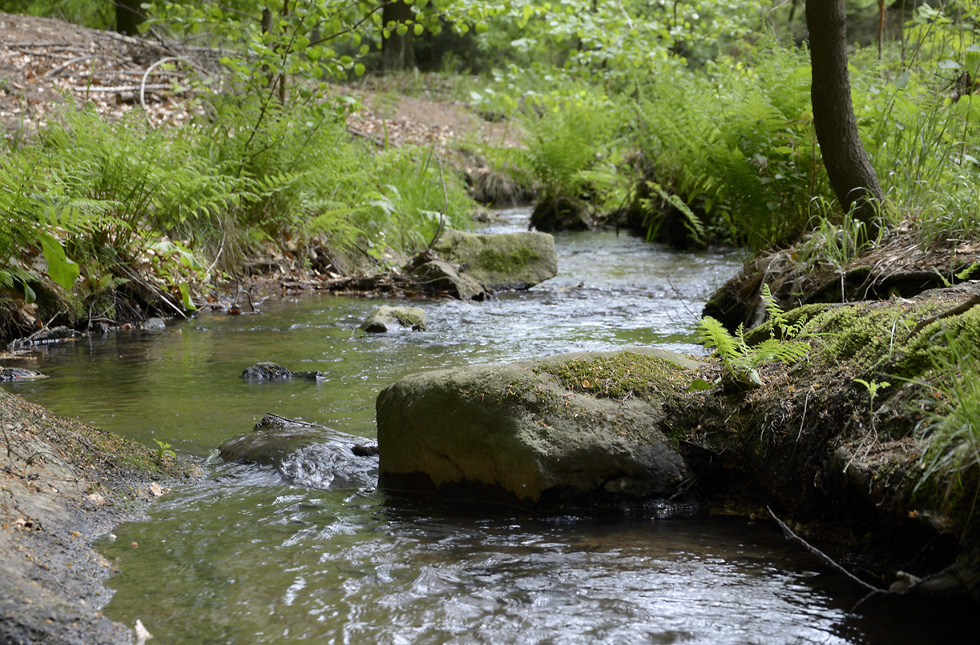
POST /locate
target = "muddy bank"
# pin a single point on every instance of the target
(64, 485)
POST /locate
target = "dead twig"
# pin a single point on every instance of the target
(955, 311)
(793, 537)
(54, 71)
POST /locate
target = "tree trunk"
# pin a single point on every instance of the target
(397, 51)
(851, 175)
(129, 16)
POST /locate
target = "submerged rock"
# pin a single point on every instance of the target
(541, 434)
(501, 261)
(19, 374)
(154, 324)
(439, 275)
(306, 454)
(268, 371)
(387, 319)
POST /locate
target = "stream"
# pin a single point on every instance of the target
(243, 557)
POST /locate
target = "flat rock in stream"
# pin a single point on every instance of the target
(387, 319)
(577, 429)
(306, 454)
(501, 261)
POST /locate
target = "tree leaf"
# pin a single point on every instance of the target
(185, 296)
(61, 269)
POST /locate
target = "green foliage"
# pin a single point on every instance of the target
(97, 15)
(164, 451)
(574, 148)
(833, 246)
(741, 360)
(950, 433)
(738, 140)
(692, 222)
(103, 195)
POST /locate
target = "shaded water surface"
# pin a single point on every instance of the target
(243, 557)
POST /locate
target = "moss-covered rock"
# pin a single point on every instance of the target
(387, 319)
(502, 261)
(533, 434)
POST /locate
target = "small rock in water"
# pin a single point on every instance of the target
(19, 374)
(154, 324)
(266, 371)
(388, 319)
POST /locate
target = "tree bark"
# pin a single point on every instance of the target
(397, 51)
(129, 16)
(851, 175)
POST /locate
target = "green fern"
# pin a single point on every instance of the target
(741, 360)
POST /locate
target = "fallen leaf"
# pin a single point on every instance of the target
(158, 490)
(142, 633)
(96, 498)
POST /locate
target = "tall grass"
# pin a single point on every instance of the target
(950, 434)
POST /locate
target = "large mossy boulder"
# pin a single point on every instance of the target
(501, 261)
(577, 429)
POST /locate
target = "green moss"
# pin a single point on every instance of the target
(506, 261)
(941, 343)
(869, 334)
(617, 376)
(409, 319)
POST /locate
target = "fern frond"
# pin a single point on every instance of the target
(713, 334)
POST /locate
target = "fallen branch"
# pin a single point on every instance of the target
(793, 537)
(54, 71)
(123, 89)
(955, 311)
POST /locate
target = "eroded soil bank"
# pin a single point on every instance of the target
(64, 485)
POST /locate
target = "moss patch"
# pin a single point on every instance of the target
(618, 376)
(506, 261)
(408, 318)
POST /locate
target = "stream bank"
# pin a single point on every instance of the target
(65, 484)
(806, 439)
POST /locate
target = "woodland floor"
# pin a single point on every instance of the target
(44, 61)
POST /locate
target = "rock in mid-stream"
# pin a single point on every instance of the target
(306, 454)
(268, 371)
(387, 319)
(501, 261)
(578, 429)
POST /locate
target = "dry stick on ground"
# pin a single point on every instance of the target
(955, 311)
(790, 535)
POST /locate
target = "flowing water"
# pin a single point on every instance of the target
(244, 557)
